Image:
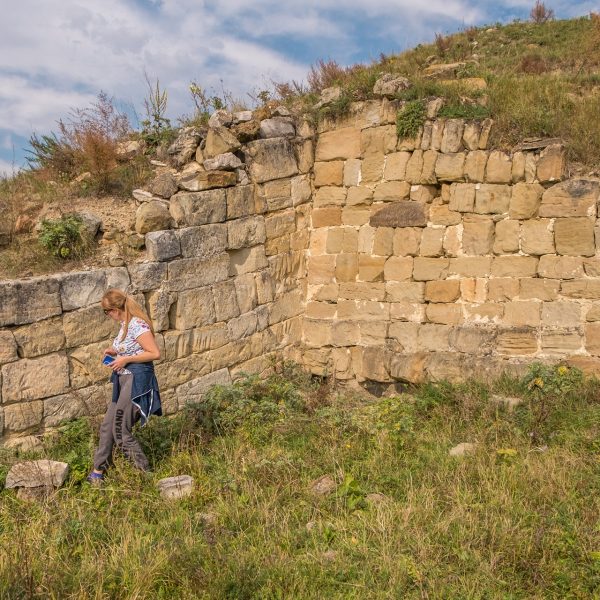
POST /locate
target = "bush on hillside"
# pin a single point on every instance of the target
(65, 237)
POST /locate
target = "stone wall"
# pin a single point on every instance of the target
(356, 254)
(438, 258)
(224, 284)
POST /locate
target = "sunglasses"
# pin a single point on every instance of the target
(107, 311)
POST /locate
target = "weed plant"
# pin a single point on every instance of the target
(517, 518)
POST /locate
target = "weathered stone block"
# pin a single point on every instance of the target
(442, 291)
(478, 235)
(561, 314)
(551, 164)
(29, 379)
(359, 196)
(521, 313)
(152, 216)
(271, 158)
(193, 391)
(462, 197)
(427, 269)
(391, 191)
(433, 337)
(514, 266)
(591, 267)
(383, 241)
(431, 241)
(370, 268)
(338, 144)
(247, 260)
(24, 302)
(85, 366)
(452, 136)
(76, 403)
(405, 292)
(575, 236)
(560, 267)
(400, 214)
(506, 239)
(147, 276)
(405, 334)
(440, 214)
(446, 314)
(361, 291)
(407, 241)
(162, 245)
(246, 290)
(582, 288)
(592, 338)
(371, 169)
(244, 232)
(40, 338)
(241, 201)
(471, 133)
(321, 269)
(499, 168)
(453, 240)
(414, 167)
(472, 340)
(475, 164)
(537, 237)
(473, 289)
(395, 166)
(408, 368)
(518, 167)
(561, 343)
(346, 267)
(316, 333)
(571, 198)
(158, 303)
(538, 289)
(326, 217)
(225, 301)
(8, 347)
(194, 308)
(503, 289)
(450, 167)
(351, 175)
(517, 342)
(203, 241)
(492, 198)
(198, 208)
(356, 215)
(195, 272)
(488, 312)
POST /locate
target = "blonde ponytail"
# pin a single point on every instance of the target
(116, 299)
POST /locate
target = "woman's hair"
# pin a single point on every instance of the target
(114, 298)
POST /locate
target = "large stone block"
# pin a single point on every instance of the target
(225, 301)
(203, 241)
(400, 214)
(581, 288)
(272, 158)
(391, 191)
(247, 260)
(462, 197)
(407, 241)
(446, 314)
(326, 217)
(561, 314)
(380, 140)
(370, 268)
(442, 291)
(158, 304)
(198, 208)
(220, 140)
(499, 168)
(178, 372)
(395, 166)
(280, 223)
(433, 337)
(552, 164)
(8, 347)
(427, 269)
(408, 368)
(356, 215)
(193, 391)
(475, 164)
(503, 289)
(162, 245)
(575, 236)
(450, 167)
(405, 292)
(190, 273)
(147, 276)
(477, 340)
(398, 268)
(40, 338)
(329, 196)
(245, 232)
(152, 216)
(361, 291)
(561, 343)
(571, 198)
(452, 136)
(520, 313)
(300, 189)
(478, 235)
(29, 379)
(536, 288)
(90, 401)
(346, 267)
(560, 267)
(514, 266)
(537, 237)
(24, 302)
(338, 144)
(440, 214)
(506, 239)
(473, 289)
(241, 201)
(246, 290)
(23, 416)
(371, 169)
(85, 365)
(87, 325)
(488, 312)
(431, 241)
(492, 198)
(517, 342)
(194, 308)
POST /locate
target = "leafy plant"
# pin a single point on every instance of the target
(464, 111)
(410, 119)
(352, 492)
(156, 127)
(65, 237)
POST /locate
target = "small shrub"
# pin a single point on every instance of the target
(156, 127)
(443, 43)
(65, 237)
(52, 154)
(533, 64)
(540, 13)
(324, 74)
(471, 33)
(410, 119)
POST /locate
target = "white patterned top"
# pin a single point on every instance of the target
(129, 346)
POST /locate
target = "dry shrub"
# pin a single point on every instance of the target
(533, 64)
(471, 33)
(325, 74)
(540, 13)
(443, 43)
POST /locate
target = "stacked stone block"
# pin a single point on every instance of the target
(436, 257)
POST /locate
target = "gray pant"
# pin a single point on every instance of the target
(116, 428)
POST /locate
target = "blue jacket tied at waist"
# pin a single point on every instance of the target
(144, 391)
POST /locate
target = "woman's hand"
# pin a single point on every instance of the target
(110, 351)
(119, 363)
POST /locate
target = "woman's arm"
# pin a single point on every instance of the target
(151, 352)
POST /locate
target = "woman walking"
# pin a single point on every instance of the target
(135, 389)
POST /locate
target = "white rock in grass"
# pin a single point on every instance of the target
(174, 488)
(508, 402)
(323, 486)
(462, 449)
(37, 473)
(28, 443)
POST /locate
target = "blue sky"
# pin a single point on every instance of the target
(59, 55)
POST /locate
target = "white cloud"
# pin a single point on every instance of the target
(7, 168)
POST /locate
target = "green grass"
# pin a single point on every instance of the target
(516, 519)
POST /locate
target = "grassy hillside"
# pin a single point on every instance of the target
(516, 519)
